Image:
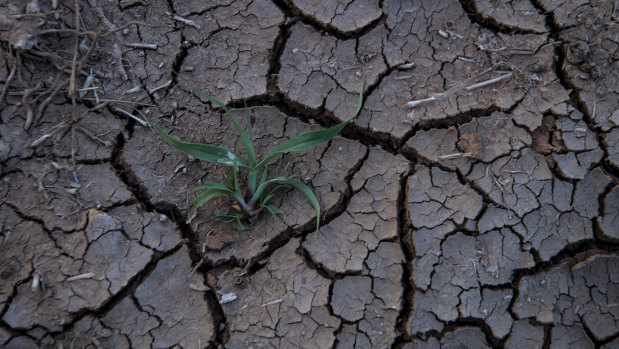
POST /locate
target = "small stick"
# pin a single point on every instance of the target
(404, 77)
(87, 83)
(189, 22)
(193, 270)
(62, 167)
(272, 302)
(140, 121)
(72, 79)
(115, 30)
(87, 33)
(481, 47)
(413, 104)
(521, 52)
(47, 135)
(119, 56)
(80, 277)
(454, 156)
(119, 101)
(448, 92)
(87, 89)
(8, 81)
(24, 102)
(164, 85)
(42, 94)
(198, 287)
(93, 137)
(74, 63)
(466, 59)
(454, 34)
(48, 100)
(141, 45)
(112, 30)
(406, 66)
(65, 124)
(489, 82)
(102, 16)
(132, 90)
(24, 15)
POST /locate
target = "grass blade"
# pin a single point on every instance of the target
(226, 218)
(247, 141)
(204, 152)
(300, 187)
(202, 94)
(269, 195)
(210, 194)
(273, 210)
(247, 121)
(314, 138)
(236, 219)
(249, 145)
(235, 174)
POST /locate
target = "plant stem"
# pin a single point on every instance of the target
(251, 183)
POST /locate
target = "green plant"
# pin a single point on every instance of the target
(258, 192)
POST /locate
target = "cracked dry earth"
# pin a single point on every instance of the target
(485, 215)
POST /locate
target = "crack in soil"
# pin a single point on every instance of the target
(125, 173)
(405, 231)
(572, 253)
(294, 14)
(256, 264)
(473, 13)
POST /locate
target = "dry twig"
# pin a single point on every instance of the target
(65, 124)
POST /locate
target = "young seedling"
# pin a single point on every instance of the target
(260, 188)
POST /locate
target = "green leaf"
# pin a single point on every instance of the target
(249, 145)
(202, 94)
(228, 179)
(213, 193)
(232, 218)
(269, 195)
(297, 185)
(314, 138)
(264, 175)
(227, 218)
(235, 174)
(247, 141)
(204, 152)
(247, 121)
(273, 210)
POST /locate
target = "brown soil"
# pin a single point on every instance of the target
(473, 203)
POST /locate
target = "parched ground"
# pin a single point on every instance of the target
(474, 203)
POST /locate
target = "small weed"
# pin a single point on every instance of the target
(260, 188)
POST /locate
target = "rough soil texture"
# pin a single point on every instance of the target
(474, 203)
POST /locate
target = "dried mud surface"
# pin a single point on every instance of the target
(474, 203)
